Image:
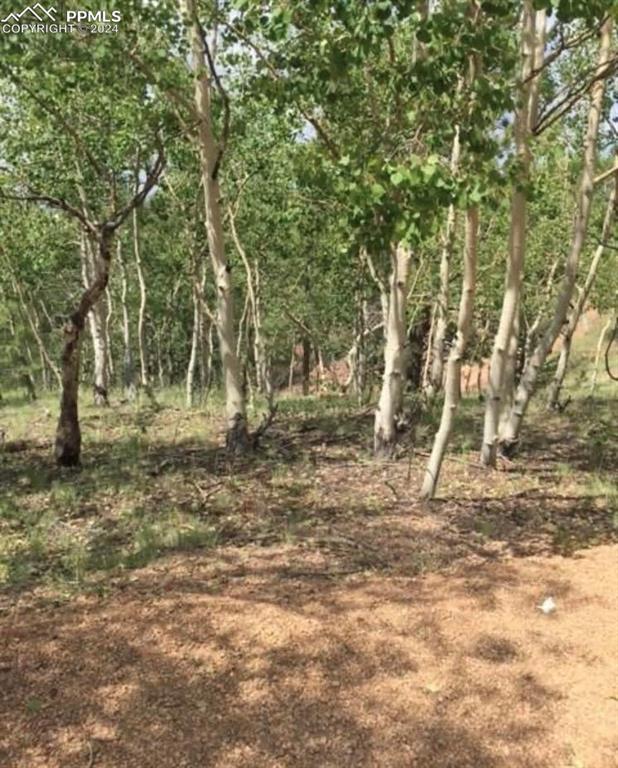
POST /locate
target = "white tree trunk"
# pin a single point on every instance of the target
(237, 435)
(442, 304)
(262, 371)
(31, 316)
(563, 361)
(607, 329)
(532, 332)
(128, 373)
(108, 324)
(207, 358)
(510, 370)
(510, 437)
(100, 343)
(390, 404)
(452, 390)
(205, 337)
(97, 324)
(195, 339)
(141, 317)
(533, 28)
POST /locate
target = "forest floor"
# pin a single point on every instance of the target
(165, 607)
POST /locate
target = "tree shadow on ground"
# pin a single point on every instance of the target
(253, 673)
(309, 485)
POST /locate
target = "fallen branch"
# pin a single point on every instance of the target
(205, 494)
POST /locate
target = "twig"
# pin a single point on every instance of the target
(606, 174)
(205, 494)
(476, 464)
(391, 489)
(320, 574)
(91, 754)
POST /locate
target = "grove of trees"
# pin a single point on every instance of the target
(344, 195)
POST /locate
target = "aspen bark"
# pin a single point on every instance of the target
(452, 391)
(532, 332)
(263, 377)
(96, 323)
(237, 439)
(264, 374)
(108, 324)
(195, 338)
(510, 437)
(128, 372)
(306, 367)
(31, 317)
(208, 348)
(24, 357)
(533, 27)
(357, 356)
(68, 433)
(426, 383)
(605, 331)
(207, 322)
(510, 371)
(292, 366)
(160, 360)
(442, 304)
(101, 352)
(573, 319)
(141, 317)
(390, 404)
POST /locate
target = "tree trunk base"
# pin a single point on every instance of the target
(100, 396)
(508, 448)
(384, 448)
(237, 440)
(68, 450)
(488, 456)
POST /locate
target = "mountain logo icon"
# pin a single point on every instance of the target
(37, 11)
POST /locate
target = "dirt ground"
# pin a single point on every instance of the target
(335, 621)
(234, 663)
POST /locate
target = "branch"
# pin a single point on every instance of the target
(319, 128)
(176, 99)
(364, 254)
(565, 45)
(562, 106)
(138, 198)
(54, 202)
(606, 174)
(239, 190)
(297, 321)
(54, 112)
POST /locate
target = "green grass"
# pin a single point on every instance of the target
(51, 547)
(154, 483)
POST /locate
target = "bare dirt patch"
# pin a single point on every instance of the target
(232, 663)
(302, 608)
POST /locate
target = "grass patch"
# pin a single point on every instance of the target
(155, 480)
(57, 550)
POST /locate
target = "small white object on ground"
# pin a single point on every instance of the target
(548, 605)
